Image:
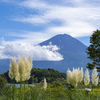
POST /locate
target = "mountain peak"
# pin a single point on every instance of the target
(62, 35)
(66, 43)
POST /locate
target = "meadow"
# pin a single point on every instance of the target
(74, 87)
(55, 91)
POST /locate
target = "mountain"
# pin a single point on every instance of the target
(66, 43)
(4, 65)
(73, 52)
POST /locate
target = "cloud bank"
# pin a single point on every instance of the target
(11, 49)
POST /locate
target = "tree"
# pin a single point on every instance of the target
(93, 51)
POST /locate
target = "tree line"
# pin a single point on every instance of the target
(37, 76)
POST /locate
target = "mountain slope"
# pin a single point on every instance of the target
(73, 52)
(4, 65)
(66, 43)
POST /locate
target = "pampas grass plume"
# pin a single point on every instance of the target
(95, 77)
(13, 71)
(21, 70)
(74, 77)
(45, 84)
(86, 77)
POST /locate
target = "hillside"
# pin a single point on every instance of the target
(37, 75)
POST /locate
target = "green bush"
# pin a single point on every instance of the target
(3, 83)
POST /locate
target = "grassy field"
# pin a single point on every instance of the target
(52, 93)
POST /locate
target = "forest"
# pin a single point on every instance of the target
(37, 76)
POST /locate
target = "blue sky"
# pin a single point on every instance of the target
(33, 21)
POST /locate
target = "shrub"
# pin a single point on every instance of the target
(3, 83)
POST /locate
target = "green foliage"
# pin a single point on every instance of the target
(52, 93)
(3, 82)
(93, 51)
(57, 84)
(50, 75)
(37, 75)
(58, 90)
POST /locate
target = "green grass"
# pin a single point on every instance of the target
(52, 93)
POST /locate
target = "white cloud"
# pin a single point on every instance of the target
(34, 4)
(32, 20)
(29, 37)
(75, 29)
(76, 20)
(11, 49)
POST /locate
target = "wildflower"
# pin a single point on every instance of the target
(86, 77)
(45, 84)
(95, 77)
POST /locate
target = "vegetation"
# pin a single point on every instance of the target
(57, 90)
(20, 71)
(93, 51)
(52, 92)
(95, 77)
(86, 77)
(37, 75)
(3, 84)
(74, 77)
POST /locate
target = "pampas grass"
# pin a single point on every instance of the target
(95, 77)
(86, 77)
(74, 77)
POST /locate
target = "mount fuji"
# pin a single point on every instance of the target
(72, 50)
